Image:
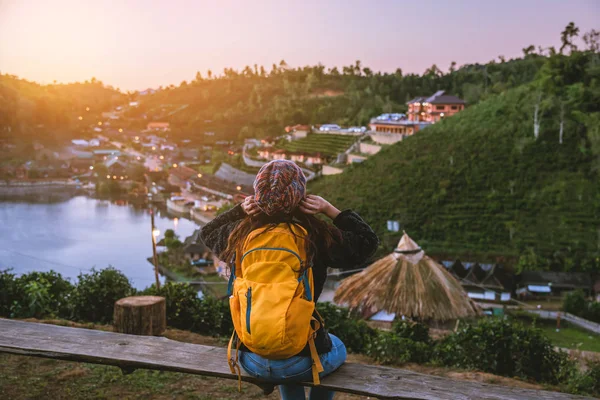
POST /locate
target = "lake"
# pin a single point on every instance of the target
(77, 233)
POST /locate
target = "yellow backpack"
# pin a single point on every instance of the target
(271, 300)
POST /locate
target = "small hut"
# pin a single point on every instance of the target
(407, 283)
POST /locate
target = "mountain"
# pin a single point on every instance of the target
(479, 186)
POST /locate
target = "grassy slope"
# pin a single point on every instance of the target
(321, 143)
(463, 186)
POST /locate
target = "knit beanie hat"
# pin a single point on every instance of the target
(279, 187)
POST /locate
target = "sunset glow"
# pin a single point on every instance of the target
(140, 44)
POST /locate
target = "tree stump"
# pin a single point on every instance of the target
(141, 315)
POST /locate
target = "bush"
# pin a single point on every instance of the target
(182, 303)
(355, 333)
(213, 317)
(185, 310)
(504, 348)
(415, 331)
(574, 302)
(592, 311)
(96, 293)
(43, 294)
(389, 348)
(9, 293)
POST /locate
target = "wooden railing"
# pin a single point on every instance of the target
(130, 352)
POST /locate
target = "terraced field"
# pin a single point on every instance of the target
(328, 145)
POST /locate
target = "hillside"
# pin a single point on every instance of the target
(480, 185)
(326, 144)
(50, 112)
(257, 103)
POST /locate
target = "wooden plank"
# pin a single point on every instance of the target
(158, 353)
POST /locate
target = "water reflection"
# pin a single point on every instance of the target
(75, 235)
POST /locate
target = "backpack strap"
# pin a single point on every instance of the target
(316, 360)
(234, 366)
(232, 266)
(304, 278)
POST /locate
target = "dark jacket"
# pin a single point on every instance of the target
(358, 243)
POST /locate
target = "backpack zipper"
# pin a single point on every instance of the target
(248, 308)
(274, 248)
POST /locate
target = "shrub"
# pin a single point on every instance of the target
(44, 294)
(592, 311)
(8, 292)
(574, 302)
(96, 293)
(213, 317)
(389, 348)
(504, 348)
(182, 303)
(414, 331)
(185, 310)
(34, 300)
(355, 333)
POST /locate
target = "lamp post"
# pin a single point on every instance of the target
(155, 233)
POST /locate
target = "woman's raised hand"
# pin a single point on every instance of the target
(316, 204)
(250, 207)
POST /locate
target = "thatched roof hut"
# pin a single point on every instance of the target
(407, 283)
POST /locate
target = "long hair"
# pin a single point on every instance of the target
(319, 233)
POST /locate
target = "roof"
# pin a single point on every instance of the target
(297, 128)
(439, 97)
(107, 152)
(572, 280)
(231, 174)
(158, 124)
(416, 100)
(80, 142)
(194, 244)
(183, 172)
(115, 161)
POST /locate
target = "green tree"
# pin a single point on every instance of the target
(566, 37)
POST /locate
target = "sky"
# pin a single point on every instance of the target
(136, 44)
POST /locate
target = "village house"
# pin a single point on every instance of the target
(158, 126)
(394, 123)
(116, 167)
(482, 281)
(195, 250)
(434, 108)
(47, 168)
(297, 131)
(267, 142)
(168, 146)
(298, 157)
(548, 283)
(80, 142)
(105, 154)
(81, 165)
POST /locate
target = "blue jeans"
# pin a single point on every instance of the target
(295, 369)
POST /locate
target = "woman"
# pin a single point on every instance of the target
(280, 197)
